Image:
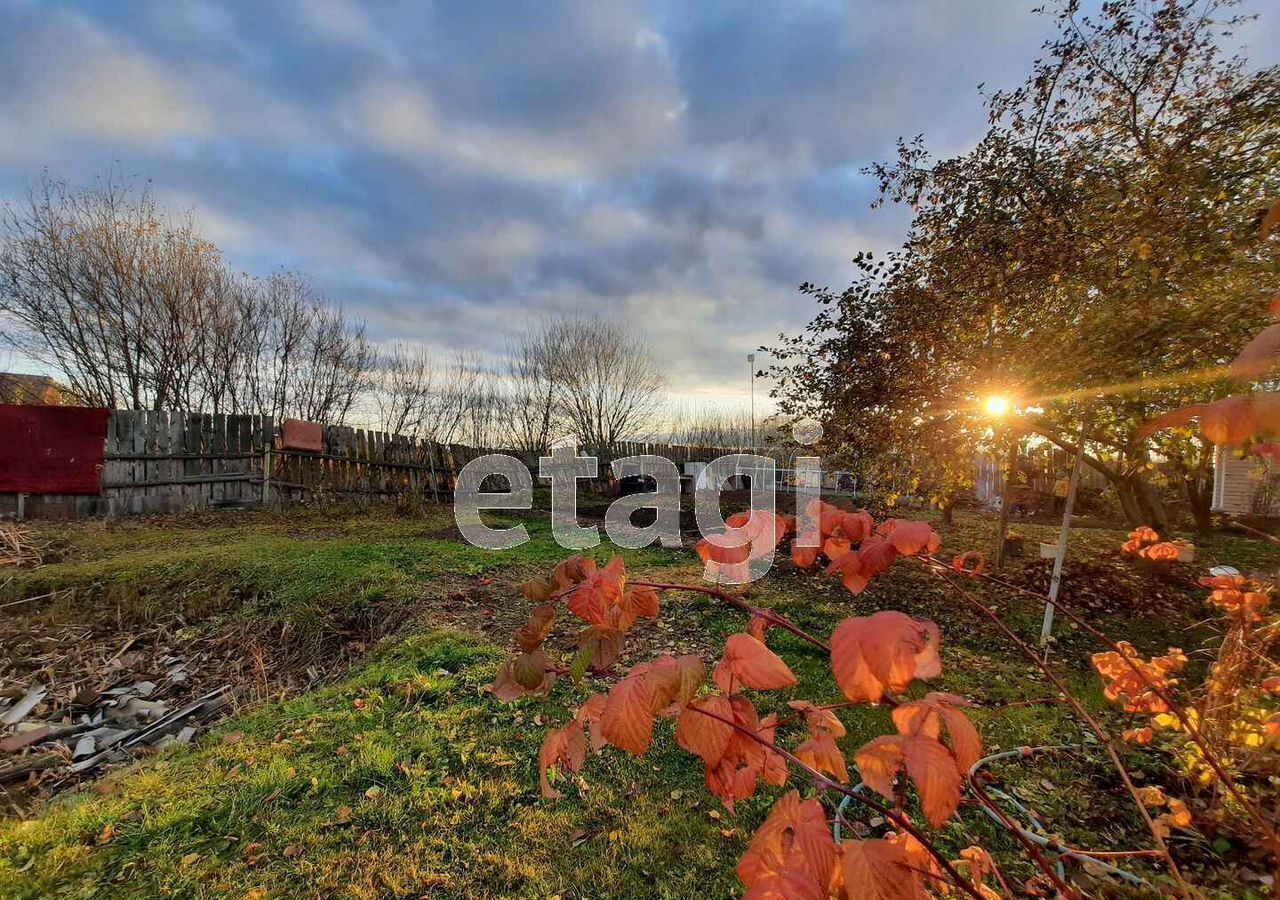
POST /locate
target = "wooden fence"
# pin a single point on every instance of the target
(160, 462)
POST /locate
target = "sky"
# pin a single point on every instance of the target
(452, 172)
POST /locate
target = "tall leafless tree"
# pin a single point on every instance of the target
(711, 425)
(405, 382)
(607, 384)
(534, 418)
(134, 309)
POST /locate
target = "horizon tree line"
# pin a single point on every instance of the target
(131, 307)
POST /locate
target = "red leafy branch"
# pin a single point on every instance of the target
(824, 783)
(1103, 735)
(1176, 709)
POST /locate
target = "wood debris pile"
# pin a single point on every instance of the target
(18, 547)
(52, 732)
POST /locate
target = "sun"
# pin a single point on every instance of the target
(997, 406)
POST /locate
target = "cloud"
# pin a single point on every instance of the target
(451, 172)
(66, 78)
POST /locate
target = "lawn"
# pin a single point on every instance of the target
(401, 777)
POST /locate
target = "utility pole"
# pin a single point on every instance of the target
(751, 371)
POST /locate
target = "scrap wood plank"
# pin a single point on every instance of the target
(23, 765)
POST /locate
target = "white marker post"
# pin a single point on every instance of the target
(1061, 556)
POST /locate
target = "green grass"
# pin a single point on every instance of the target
(424, 786)
(296, 567)
(429, 787)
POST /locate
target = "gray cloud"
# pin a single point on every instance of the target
(451, 171)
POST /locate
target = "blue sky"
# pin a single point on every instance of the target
(451, 171)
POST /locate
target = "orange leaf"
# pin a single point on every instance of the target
(535, 631)
(852, 571)
(529, 669)
(572, 570)
(642, 601)
(910, 538)
(506, 688)
(673, 680)
(877, 555)
(539, 590)
(598, 591)
(726, 556)
(564, 747)
(879, 762)
(732, 546)
(589, 714)
(878, 869)
(819, 720)
(604, 645)
(930, 765)
(753, 664)
(700, 733)
(925, 717)
(937, 779)
(793, 839)
(1258, 356)
(858, 525)
(764, 529)
(883, 652)
(734, 777)
(627, 720)
(836, 546)
(789, 884)
(804, 550)
(1140, 736)
(827, 517)
(821, 753)
(1226, 422)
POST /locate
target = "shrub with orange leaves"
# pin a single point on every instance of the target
(873, 659)
(1139, 539)
(1135, 682)
(1164, 551)
(1223, 732)
(718, 709)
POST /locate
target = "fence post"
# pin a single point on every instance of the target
(266, 476)
(22, 506)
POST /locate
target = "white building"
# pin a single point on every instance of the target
(1245, 484)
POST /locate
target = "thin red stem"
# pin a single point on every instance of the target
(1036, 854)
(738, 603)
(825, 783)
(1094, 725)
(1179, 712)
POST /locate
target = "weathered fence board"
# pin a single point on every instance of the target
(160, 462)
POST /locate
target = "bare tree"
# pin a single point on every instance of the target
(533, 415)
(404, 389)
(135, 310)
(710, 425)
(607, 384)
(97, 286)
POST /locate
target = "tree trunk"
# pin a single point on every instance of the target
(1141, 503)
(1139, 500)
(948, 511)
(1200, 499)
